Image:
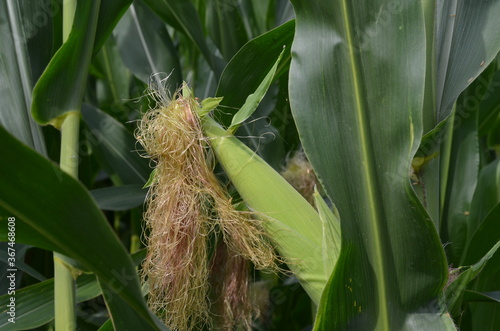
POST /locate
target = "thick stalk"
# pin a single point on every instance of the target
(64, 282)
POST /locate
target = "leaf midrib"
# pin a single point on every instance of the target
(367, 175)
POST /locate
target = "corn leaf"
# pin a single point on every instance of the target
(486, 235)
(60, 88)
(466, 42)
(119, 197)
(145, 45)
(115, 146)
(49, 221)
(240, 79)
(456, 290)
(16, 80)
(473, 296)
(182, 16)
(35, 304)
(110, 12)
(355, 68)
(255, 98)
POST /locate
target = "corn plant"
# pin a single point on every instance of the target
(250, 165)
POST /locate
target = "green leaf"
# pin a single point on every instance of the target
(254, 99)
(240, 78)
(356, 92)
(110, 13)
(490, 106)
(119, 197)
(455, 290)
(115, 147)
(182, 16)
(145, 45)
(225, 26)
(494, 135)
(209, 104)
(462, 54)
(20, 264)
(114, 84)
(486, 197)
(107, 326)
(462, 185)
(485, 315)
(60, 221)
(486, 235)
(16, 76)
(473, 296)
(463, 171)
(61, 87)
(35, 304)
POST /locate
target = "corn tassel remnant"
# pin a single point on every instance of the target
(187, 208)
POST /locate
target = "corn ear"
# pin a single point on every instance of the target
(291, 221)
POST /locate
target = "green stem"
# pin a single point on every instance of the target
(64, 281)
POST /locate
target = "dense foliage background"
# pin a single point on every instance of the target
(396, 104)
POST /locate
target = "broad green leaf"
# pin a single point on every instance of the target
(356, 91)
(119, 197)
(489, 109)
(254, 99)
(20, 264)
(16, 76)
(60, 221)
(486, 197)
(113, 83)
(463, 170)
(224, 23)
(115, 147)
(182, 16)
(486, 315)
(494, 136)
(145, 45)
(462, 183)
(486, 235)
(110, 13)
(472, 296)
(107, 326)
(35, 304)
(240, 78)
(462, 54)
(255, 15)
(455, 291)
(61, 87)
(282, 12)
(455, 58)
(294, 226)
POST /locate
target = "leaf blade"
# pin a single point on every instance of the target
(60, 222)
(345, 87)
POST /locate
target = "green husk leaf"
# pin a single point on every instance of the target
(255, 98)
